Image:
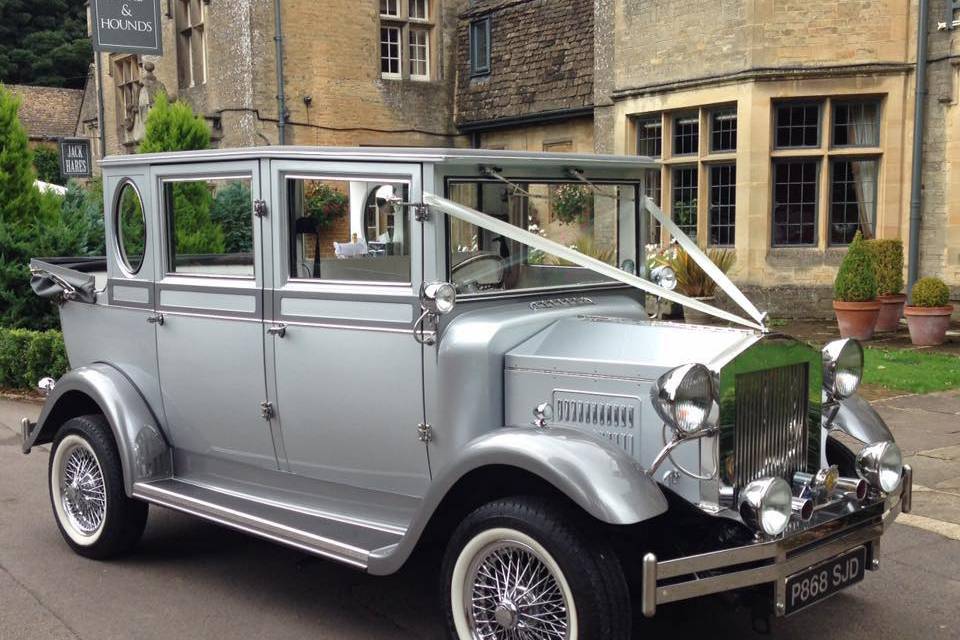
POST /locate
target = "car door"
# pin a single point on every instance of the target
(348, 372)
(210, 335)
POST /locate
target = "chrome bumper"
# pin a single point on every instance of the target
(773, 561)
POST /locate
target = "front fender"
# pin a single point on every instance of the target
(603, 480)
(858, 419)
(144, 452)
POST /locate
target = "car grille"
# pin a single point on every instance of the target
(770, 437)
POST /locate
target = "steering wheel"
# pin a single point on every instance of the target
(482, 272)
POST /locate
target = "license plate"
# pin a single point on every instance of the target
(825, 579)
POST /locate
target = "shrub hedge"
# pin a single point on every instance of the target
(930, 292)
(856, 280)
(888, 256)
(26, 356)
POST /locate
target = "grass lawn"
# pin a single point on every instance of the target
(911, 371)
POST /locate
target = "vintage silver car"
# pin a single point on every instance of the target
(356, 352)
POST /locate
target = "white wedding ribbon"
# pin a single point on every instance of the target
(508, 230)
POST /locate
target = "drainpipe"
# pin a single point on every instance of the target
(916, 188)
(281, 98)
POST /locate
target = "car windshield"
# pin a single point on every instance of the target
(505, 235)
(597, 221)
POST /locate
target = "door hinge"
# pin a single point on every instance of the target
(266, 410)
(421, 212)
(259, 208)
(424, 432)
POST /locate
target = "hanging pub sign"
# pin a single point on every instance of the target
(75, 158)
(127, 26)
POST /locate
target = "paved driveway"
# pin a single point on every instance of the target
(189, 579)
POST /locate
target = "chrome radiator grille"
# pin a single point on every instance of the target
(770, 437)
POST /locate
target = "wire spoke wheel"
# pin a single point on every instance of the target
(513, 591)
(81, 489)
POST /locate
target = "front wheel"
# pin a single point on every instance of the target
(93, 512)
(527, 568)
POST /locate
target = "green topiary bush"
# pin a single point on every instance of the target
(26, 356)
(930, 292)
(856, 280)
(888, 258)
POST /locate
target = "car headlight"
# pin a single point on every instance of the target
(842, 368)
(664, 276)
(686, 399)
(766, 505)
(881, 464)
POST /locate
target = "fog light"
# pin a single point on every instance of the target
(881, 464)
(766, 505)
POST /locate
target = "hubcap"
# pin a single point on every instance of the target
(514, 595)
(82, 491)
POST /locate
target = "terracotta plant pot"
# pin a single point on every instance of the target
(891, 310)
(857, 319)
(928, 325)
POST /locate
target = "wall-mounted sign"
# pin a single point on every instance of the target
(75, 159)
(129, 26)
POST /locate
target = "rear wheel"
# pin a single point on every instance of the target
(527, 568)
(93, 513)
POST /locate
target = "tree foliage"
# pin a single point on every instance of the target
(232, 208)
(856, 279)
(19, 197)
(173, 127)
(44, 42)
(46, 160)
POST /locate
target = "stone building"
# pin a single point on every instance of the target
(784, 127)
(384, 76)
(48, 113)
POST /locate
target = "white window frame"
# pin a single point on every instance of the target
(425, 47)
(394, 28)
(410, 22)
(426, 10)
(395, 3)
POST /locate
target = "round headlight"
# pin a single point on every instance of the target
(664, 276)
(881, 464)
(686, 399)
(842, 368)
(438, 297)
(766, 505)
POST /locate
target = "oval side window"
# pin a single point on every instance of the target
(131, 228)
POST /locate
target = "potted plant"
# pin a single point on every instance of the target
(928, 314)
(572, 203)
(692, 281)
(855, 292)
(888, 258)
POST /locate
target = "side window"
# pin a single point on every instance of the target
(130, 228)
(209, 226)
(348, 230)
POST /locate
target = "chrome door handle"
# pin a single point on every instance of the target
(278, 330)
(156, 318)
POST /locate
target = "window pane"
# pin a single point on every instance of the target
(797, 125)
(131, 228)
(684, 212)
(480, 46)
(650, 137)
(390, 7)
(852, 199)
(856, 124)
(419, 9)
(686, 135)
(598, 223)
(795, 202)
(348, 230)
(210, 226)
(419, 53)
(723, 125)
(723, 204)
(390, 50)
(653, 186)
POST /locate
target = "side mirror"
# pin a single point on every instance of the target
(436, 299)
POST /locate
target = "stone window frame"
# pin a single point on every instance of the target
(703, 159)
(405, 25)
(825, 154)
(481, 67)
(191, 42)
(722, 224)
(125, 69)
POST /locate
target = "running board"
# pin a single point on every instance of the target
(342, 541)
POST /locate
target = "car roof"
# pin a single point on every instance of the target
(449, 156)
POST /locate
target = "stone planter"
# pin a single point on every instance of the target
(692, 316)
(928, 325)
(891, 310)
(857, 319)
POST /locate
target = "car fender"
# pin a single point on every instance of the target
(601, 479)
(858, 419)
(144, 451)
